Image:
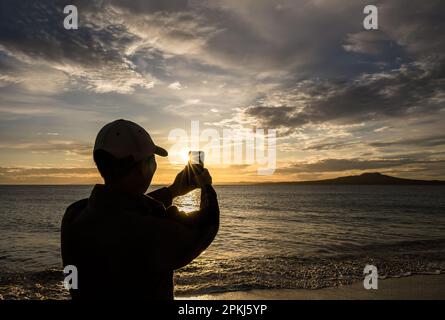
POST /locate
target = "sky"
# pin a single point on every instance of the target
(343, 100)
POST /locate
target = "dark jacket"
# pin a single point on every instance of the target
(128, 246)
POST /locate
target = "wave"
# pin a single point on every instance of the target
(206, 276)
(300, 272)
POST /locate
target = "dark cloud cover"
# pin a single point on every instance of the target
(405, 91)
(35, 29)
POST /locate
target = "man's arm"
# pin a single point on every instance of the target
(162, 195)
(205, 222)
(179, 238)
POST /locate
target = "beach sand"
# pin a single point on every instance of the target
(405, 288)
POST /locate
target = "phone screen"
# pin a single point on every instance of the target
(196, 157)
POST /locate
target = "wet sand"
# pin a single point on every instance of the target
(406, 288)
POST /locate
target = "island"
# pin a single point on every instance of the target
(367, 178)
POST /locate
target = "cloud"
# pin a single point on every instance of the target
(93, 56)
(40, 80)
(330, 145)
(47, 146)
(390, 73)
(365, 42)
(33, 30)
(409, 90)
(175, 85)
(36, 175)
(337, 165)
(23, 171)
(150, 6)
(429, 141)
(415, 27)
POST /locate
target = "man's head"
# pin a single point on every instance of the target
(125, 156)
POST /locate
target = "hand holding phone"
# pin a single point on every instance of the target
(193, 176)
(196, 157)
(198, 176)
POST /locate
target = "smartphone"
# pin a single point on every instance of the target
(196, 157)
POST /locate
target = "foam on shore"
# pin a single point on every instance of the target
(431, 287)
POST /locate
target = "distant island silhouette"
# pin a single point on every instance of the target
(367, 178)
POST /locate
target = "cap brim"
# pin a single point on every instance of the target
(161, 151)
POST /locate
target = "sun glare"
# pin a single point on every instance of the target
(184, 155)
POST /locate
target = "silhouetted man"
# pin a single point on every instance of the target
(126, 244)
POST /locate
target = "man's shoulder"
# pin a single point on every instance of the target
(78, 205)
(143, 206)
(151, 206)
(73, 210)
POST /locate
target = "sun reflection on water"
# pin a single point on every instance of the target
(188, 202)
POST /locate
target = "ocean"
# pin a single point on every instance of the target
(271, 236)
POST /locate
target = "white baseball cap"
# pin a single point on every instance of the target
(124, 138)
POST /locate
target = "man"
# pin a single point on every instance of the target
(123, 243)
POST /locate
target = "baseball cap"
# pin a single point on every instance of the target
(123, 138)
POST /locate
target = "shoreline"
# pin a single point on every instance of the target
(414, 287)
(411, 287)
